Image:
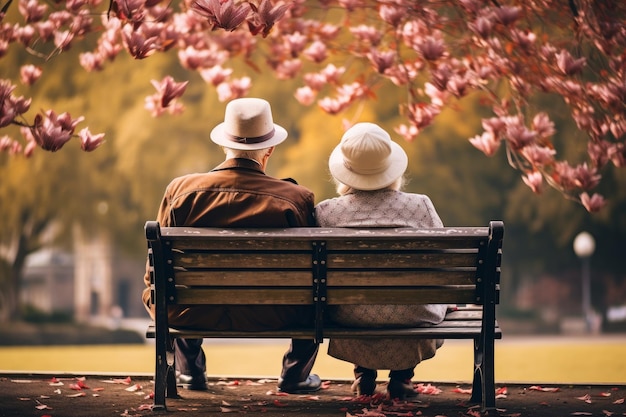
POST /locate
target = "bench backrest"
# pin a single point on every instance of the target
(325, 266)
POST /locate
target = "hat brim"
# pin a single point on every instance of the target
(368, 182)
(219, 136)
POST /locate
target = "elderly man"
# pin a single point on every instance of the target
(238, 193)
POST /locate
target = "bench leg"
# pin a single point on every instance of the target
(172, 391)
(164, 376)
(160, 375)
(483, 386)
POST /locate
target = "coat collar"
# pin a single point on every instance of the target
(239, 163)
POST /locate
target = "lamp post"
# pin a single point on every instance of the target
(584, 246)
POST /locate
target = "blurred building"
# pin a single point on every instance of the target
(92, 284)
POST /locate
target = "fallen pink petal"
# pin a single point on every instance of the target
(459, 390)
(547, 389)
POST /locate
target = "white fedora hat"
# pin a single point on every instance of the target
(367, 158)
(248, 125)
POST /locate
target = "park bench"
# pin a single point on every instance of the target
(330, 266)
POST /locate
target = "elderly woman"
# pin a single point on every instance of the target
(368, 168)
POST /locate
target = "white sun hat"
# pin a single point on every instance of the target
(367, 158)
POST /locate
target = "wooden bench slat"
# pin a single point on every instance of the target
(339, 296)
(206, 277)
(334, 333)
(301, 296)
(300, 260)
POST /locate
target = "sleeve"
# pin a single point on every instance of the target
(435, 219)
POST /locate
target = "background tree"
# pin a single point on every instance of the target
(119, 186)
(346, 51)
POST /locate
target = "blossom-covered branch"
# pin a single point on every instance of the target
(344, 51)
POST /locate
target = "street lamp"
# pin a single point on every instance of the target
(584, 246)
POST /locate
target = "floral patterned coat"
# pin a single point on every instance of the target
(382, 208)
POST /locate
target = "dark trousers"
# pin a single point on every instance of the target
(297, 361)
(399, 375)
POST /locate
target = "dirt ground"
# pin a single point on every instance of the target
(73, 395)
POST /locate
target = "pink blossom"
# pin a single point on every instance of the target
(222, 14)
(89, 142)
(523, 38)
(599, 152)
(315, 81)
(266, 16)
(368, 34)
(537, 155)
(519, 136)
(90, 61)
(617, 153)
(132, 10)
(381, 60)
(46, 30)
(409, 133)
(169, 90)
(392, 14)
(138, 45)
(316, 52)
(32, 10)
(422, 115)
(29, 74)
(296, 42)
(507, 15)
(534, 180)
(543, 125)
(333, 106)
(487, 143)
(567, 64)
(328, 31)
(496, 125)
(458, 86)
(432, 48)
(192, 58)
(482, 26)
(594, 203)
(401, 74)
(586, 177)
(437, 96)
(11, 107)
(353, 91)
(351, 4)
(233, 89)
(305, 95)
(564, 175)
(288, 69)
(63, 39)
(53, 131)
(25, 34)
(216, 74)
(333, 73)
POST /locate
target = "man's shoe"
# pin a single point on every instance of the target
(311, 384)
(193, 383)
(401, 390)
(364, 386)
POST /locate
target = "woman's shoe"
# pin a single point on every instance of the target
(401, 390)
(364, 386)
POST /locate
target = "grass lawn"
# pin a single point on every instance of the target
(593, 360)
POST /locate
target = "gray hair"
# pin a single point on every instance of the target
(397, 185)
(256, 155)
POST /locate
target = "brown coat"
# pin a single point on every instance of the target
(237, 193)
